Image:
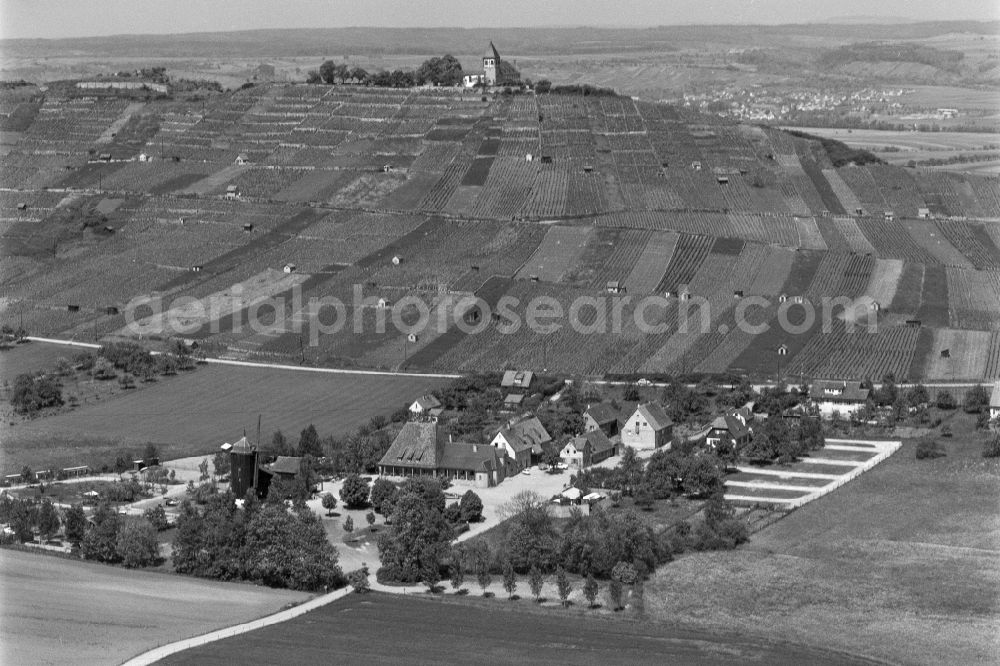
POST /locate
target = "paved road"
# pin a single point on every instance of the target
(277, 366)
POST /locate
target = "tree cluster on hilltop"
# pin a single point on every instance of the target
(440, 71)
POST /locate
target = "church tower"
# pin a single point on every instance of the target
(491, 63)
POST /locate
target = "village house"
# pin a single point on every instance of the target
(647, 428)
(517, 379)
(732, 428)
(426, 405)
(995, 402)
(421, 449)
(587, 449)
(601, 416)
(844, 398)
(520, 440)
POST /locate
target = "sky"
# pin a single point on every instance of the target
(86, 18)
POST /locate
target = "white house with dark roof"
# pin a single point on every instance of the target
(647, 428)
(734, 427)
(844, 398)
(519, 439)
(587, 449)
(995, 402)
(426, 405)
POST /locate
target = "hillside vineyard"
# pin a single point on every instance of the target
(252, 203)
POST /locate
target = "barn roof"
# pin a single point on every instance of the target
(602, 413)
(418, 444)
(285, 465)
(469, 457)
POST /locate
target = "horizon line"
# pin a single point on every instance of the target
(833, 21)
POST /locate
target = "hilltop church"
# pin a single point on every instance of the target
(496, 72)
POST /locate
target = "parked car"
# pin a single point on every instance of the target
(171, 502)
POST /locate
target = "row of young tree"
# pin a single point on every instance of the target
(469, 561)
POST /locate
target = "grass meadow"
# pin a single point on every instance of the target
(900, 564)
(194, 413)
(50, 604)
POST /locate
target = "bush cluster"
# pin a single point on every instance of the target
(263, 543)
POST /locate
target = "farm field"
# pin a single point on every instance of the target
(559, 251)
(392, 629)
(32, 357)
(912, 542)
(906, 146)
(193, 414)
(49, 605)
(341, 180)
(956, 355)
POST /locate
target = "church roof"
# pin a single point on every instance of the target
(492, 52)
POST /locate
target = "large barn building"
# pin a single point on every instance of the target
(420, 449)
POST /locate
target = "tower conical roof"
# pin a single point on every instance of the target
(242, 446)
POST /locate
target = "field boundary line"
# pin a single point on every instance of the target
(784, 473)
(272, 366)
(156, 654)
(885, 449)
